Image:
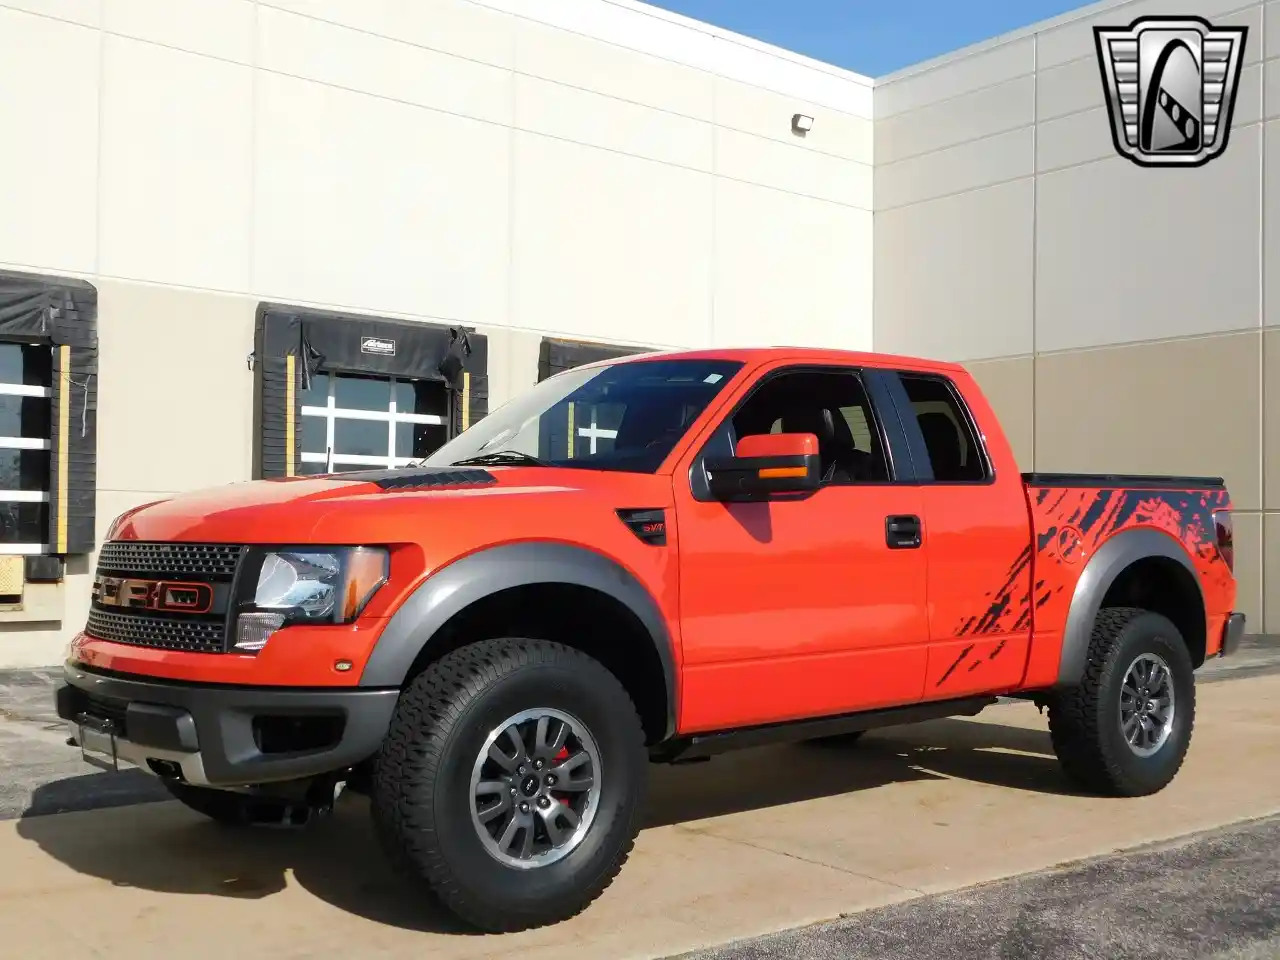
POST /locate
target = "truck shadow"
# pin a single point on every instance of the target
(165, 848)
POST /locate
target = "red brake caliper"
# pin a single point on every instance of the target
(560, 757)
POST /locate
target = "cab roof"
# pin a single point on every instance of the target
(752, 356)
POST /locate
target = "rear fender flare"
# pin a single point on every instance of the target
(457, 586)
(1110, 560)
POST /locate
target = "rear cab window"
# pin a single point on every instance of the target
(945, 444)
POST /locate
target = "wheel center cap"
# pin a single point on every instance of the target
(529, 786)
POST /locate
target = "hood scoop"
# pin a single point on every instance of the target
(424, 478)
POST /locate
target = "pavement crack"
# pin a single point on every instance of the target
(798, 857)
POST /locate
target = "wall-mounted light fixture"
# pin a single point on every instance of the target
(801, 124)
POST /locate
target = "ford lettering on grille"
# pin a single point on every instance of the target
(162, 596)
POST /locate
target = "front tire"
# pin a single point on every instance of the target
(1126, 728)
(511, 782)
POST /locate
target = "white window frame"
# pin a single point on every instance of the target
(593, 432)
(331, 412)
(26, 443)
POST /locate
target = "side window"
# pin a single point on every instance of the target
(955, 453)
(832, 406)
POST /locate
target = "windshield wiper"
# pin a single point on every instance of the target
(501, 456)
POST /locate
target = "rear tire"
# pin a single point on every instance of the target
(493, 841)
(1126, 728)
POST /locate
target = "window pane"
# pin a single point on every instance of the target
(313, 434)
(419, 439)
(363, 437)
(362, 393)
(422, 397)
(596, 425)
(24, 417)
(317, 395)
(24, 469)
(953, 449)
(24, 522)
(30, 365)
(310, 469)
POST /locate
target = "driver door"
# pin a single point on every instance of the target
(799, 607)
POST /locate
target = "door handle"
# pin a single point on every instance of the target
(902, 531)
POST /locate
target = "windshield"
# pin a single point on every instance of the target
(623, 416)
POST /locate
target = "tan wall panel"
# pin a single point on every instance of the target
(1009, 386)
(1249, 566)
(1177, 407)
(1271, 420)
(175, 401)
(1270, 622)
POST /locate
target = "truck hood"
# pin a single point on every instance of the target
(382, 506)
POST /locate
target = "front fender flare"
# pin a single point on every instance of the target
(455, 587)
(1100, 572)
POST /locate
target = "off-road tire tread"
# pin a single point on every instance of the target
(1074, 716)
(427, 712)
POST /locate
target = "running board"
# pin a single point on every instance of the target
(701, 746)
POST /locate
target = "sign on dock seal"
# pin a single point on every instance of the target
(1170, 84)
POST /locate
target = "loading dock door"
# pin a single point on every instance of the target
(338, 392)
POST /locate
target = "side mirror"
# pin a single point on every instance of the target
(766, 464)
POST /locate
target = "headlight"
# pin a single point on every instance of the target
(331, 585)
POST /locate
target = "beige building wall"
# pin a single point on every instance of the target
(590, 169)
(1121, 319)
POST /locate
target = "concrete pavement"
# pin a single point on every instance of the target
(745, 845)
(1213, 896)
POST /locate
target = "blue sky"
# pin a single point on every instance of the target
(871, 37)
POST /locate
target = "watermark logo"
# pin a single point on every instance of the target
(1170, 84)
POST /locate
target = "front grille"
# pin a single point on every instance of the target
(140, 565)
(201, 561)
(161, 632)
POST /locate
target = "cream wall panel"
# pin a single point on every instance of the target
(1271, 21)
(380, 206)
(741, 156)
(1009, 386)
(305, 47)
(513, 363)
(608, 246)
(459, 27)
(580, 61)
(1251, 599)
(790, 270)
(1072, 39)
(187, 347)
(1128, 410)
(1271, 577)
(1084, 136)
(765, 113)
(1271, 86)
(1068, 88)
(176, 166)
(218, 28)
(1271, 419)
(919, 87)
(48, 167)
(971, 116)
(1270, 221)
(982, 163)
(571, 113)
(953, 276)
(650, 30)
(86, 12)
(1123, 255)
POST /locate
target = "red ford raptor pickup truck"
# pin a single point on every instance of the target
(653, 559)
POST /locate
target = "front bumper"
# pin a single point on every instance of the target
(222, 736)
(1232, 634)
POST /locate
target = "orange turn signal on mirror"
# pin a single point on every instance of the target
(778, 473)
